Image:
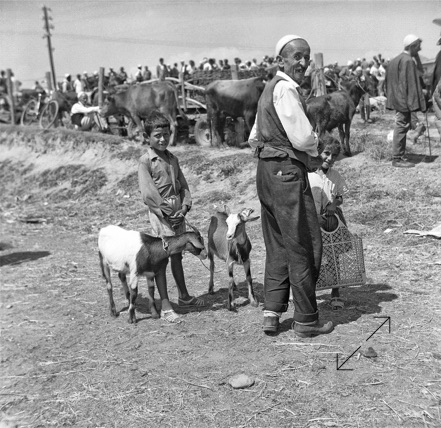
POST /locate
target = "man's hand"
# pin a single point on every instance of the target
(330, 209)
(178, 217)
(183, 211)
(175, 221)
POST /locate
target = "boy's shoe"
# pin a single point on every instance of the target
(320, 327)
(401, 163)
(270, 324)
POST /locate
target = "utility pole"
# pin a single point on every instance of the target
(48, 27)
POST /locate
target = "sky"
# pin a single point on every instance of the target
(113, 33)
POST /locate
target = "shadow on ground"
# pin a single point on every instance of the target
(416, 158)
(22, 257)
(358, 301)
(213, 302)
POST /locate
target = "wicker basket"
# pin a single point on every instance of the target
(342, 259)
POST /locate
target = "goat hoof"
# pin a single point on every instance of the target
(155, 316)
(113, 313)
(254, 303)
(348, 154)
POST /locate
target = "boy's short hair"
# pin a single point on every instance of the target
(155, 120)
(328, 141)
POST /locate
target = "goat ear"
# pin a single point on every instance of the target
(246, 213)
(218, 208)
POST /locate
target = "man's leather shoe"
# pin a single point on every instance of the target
(320, 327)
(270, 324)
(401, 163)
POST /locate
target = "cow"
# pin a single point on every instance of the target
(337, 109)
(138, 101)
(233, 98)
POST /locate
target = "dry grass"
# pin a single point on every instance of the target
(66, 362)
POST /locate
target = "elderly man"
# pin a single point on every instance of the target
(405, 95)
(285, 142)
(82, 116)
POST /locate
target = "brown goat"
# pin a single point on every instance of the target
(337, 110)
(228, 240)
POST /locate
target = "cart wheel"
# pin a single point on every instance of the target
(30, 113)
(49, 114)
(202, 132)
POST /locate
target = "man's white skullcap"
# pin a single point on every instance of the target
(350, 62)
(284, 41)
(67, 75)
(409, 39)
(358, 69)
(139, 65)
(80, 94)
(84, 72)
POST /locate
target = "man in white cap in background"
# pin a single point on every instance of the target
(285, 142)
(138, 76)
(82, 115)
(404, 92)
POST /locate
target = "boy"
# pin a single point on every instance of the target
(327, 187)
(165, 191)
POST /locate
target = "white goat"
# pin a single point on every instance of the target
(228, 240)
(133, 253)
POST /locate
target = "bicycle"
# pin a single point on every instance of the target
(43, 110)
(32, 110)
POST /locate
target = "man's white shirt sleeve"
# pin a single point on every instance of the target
(293, 118)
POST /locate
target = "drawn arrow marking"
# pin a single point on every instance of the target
(387, 319)
(339, 366)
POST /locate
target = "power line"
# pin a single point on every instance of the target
(171, 43)
(130, 40)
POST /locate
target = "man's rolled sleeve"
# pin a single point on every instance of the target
(293, 118)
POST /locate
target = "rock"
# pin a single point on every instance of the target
(369, 353)
(241, 381)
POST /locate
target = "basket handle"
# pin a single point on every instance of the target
(340, 223)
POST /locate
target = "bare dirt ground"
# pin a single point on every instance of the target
(66, 362)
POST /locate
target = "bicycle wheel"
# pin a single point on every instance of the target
(30, 113)
(49, 114)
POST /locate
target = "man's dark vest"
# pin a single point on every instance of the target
(270, 131)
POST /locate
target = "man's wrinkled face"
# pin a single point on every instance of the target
(295, 59)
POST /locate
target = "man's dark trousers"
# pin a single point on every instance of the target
(292, 237)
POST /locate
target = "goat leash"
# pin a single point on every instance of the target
(190, 225)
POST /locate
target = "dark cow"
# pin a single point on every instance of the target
(233, 98)
(138, 101)
(337, 109)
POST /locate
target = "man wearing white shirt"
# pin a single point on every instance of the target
(82, 115)
(285, 143)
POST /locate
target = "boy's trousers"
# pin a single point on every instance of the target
(292, 237)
